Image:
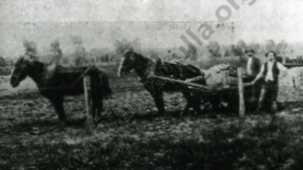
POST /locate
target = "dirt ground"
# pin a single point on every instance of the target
(132, 135)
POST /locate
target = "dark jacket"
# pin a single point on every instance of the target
(275, 71)
(255, 66)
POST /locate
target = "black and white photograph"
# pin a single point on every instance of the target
(151, 84)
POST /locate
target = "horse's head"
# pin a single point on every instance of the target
(128, 62)
(21, 70)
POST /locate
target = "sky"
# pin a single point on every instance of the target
(101, 22)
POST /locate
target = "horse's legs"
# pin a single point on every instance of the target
(196, 102)
(94, 100)
(188, 102)
(94, 108)
(191, 101)
(57, 102)
(158, 98)
(215, 102)
(98, 109)
(185, 110)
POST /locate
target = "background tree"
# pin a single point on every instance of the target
(227, 51)
(122, 46)
(2, 62)
(281, 48)
(79, 53)
(240, 48)
(236, 51)
(270, 45)
(254, 46)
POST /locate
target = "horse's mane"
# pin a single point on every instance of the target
(138, 55)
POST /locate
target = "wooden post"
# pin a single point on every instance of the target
(241, 93)
(88, 102)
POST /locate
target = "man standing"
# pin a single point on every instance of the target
(253, 66)
(269, 76)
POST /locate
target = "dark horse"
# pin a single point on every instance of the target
(145, 67)
(59, 82)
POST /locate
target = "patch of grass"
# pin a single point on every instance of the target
(225, 146)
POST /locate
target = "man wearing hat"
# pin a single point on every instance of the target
(269, 77)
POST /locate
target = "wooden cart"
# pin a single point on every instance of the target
(206, 90)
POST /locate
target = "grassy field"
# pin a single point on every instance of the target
(132, 135)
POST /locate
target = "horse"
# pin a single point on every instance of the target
(56, 83)
(145, 68)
